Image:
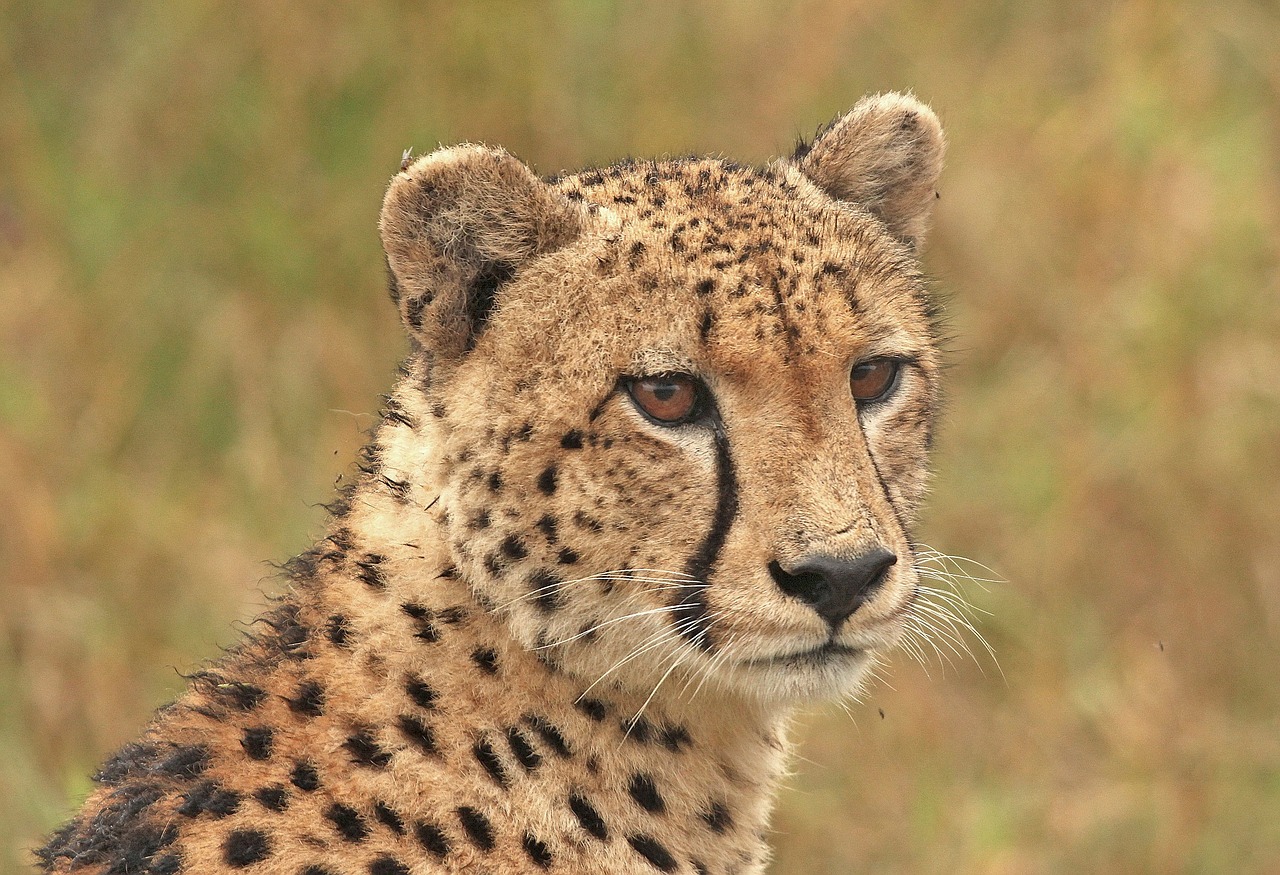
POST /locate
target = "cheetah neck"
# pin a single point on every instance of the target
(410, 682)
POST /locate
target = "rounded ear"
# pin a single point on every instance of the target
(885, 155)
(456, 225)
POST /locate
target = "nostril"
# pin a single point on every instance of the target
(867, 574)
(806, 585)
(835, 587)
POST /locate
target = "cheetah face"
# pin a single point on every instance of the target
(683, 407)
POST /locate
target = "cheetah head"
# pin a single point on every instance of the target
(680, 410)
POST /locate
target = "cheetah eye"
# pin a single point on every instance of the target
(667, 399)
(874, 380)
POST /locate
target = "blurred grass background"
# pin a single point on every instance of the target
(193, 332)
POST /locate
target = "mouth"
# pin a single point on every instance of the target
(816, 656)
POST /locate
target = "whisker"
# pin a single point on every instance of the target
(585, 632)
(557, 586)
(655, 641)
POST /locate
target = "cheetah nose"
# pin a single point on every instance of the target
(832, 586)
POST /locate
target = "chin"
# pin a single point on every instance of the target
(819, 675)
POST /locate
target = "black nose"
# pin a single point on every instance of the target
(834, 587)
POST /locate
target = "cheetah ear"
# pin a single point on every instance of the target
(456, 225)
(884, 155)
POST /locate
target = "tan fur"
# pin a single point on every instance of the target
(493, 627)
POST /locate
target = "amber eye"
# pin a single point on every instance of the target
(874, 379)
(668, 399)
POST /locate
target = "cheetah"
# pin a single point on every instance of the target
(644, 484)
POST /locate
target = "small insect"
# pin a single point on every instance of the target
(406, 158)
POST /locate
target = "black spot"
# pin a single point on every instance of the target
(572, 440)
(590, 819)
(244, 697)
(705, 286)
(705, 324)
(316, 870)
(547, 525)
(487, 757)
(637, 729)
(513, 548)
(385, 865)
(537, 851)
(699, 867)
(388, 818)
(257, 742)
(643, 790)
(718, 817)
(493, 563)
(211, 798)
(417, 611)
(495, 481)
(432, 838)
(339, 630)
(676, 738)
(186, 761)
(549, 734)
(567, 556)
(309, 700)
(481, 520)
(486, 658)
(477, 827)
(545, 589)
(364, 750)
(653, 851)
(593, 708)
(347, 821)
(274, 798)
(453, 615)
(418, 733)
(426, 630)
(520, 746)
(304, 777)
(243, 847)
(547, 480)
(371, 571)
(423, 696)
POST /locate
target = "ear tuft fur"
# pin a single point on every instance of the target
(458, 224)
(884, 155)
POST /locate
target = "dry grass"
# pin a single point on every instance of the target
(191, 299)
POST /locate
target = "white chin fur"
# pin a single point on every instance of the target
(834, 678)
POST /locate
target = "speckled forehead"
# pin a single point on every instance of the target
(699, 207)
(769, 266)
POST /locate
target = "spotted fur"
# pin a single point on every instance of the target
(541, 633)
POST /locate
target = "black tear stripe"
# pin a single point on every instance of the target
(691, 614)
(884, 487)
